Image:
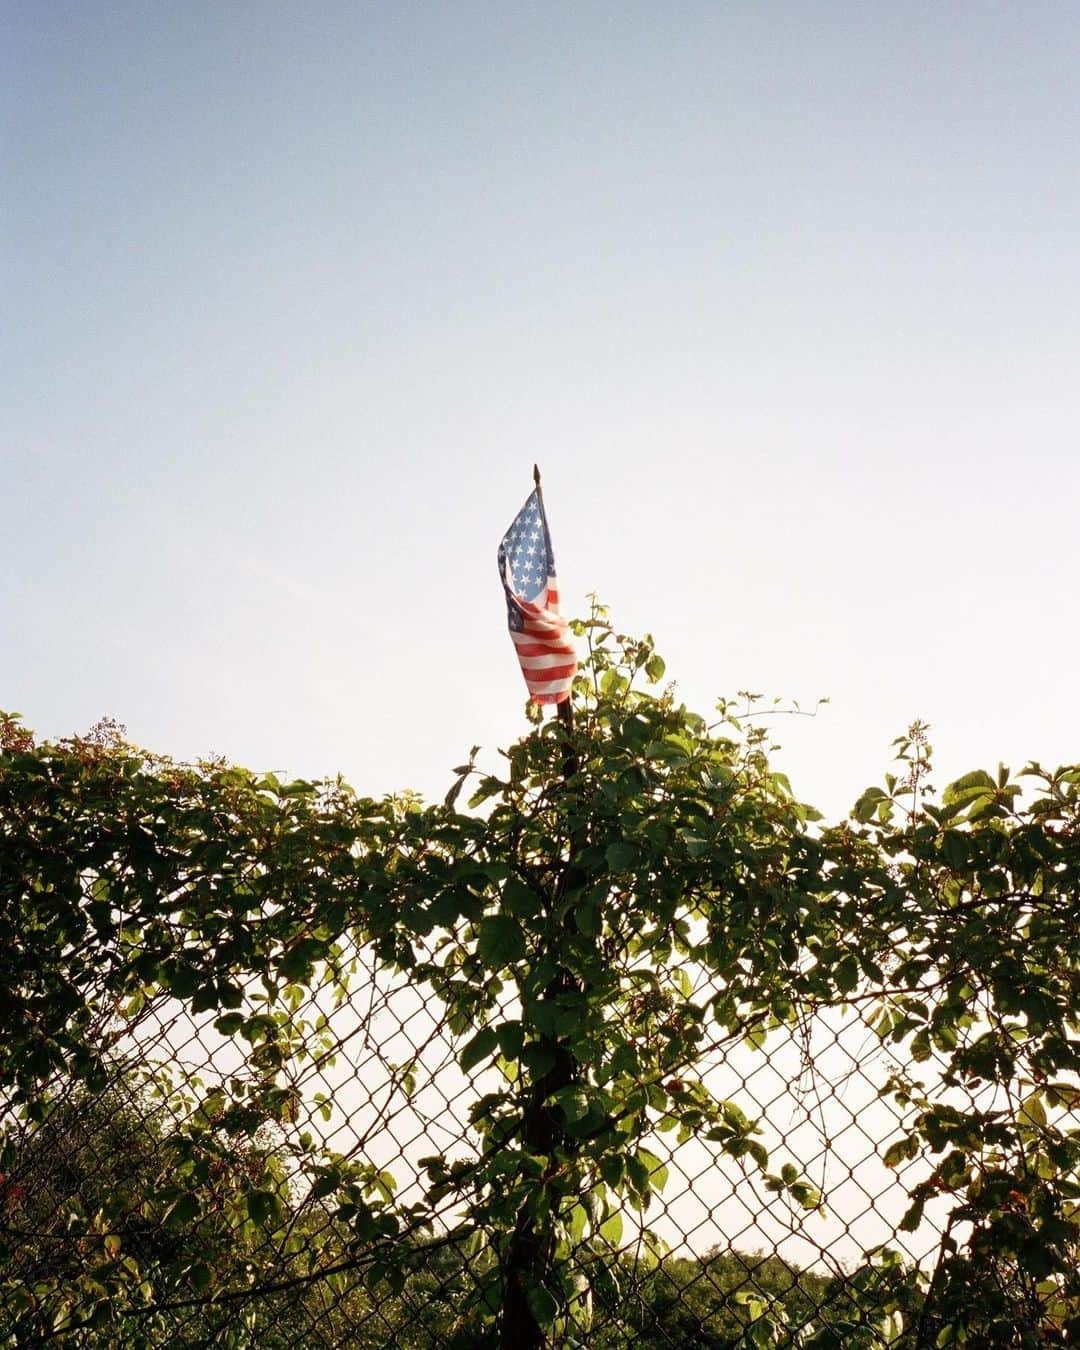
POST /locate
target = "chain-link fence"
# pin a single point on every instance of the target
(210, 1154)
(629, 1052)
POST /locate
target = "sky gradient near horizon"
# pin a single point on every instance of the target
(784, 298)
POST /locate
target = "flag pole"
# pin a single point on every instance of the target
(530, 1251)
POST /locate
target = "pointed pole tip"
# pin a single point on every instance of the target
(536, 474)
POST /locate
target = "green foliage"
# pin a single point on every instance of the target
(975, 925)
(627, 895)
(149, 1251)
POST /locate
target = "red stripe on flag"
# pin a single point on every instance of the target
(541, 636)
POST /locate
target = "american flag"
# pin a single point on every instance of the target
(539, 632)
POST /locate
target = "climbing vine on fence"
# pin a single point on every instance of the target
(594, 917)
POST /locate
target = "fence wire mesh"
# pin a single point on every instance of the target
(112, 1175)
(627, 1054)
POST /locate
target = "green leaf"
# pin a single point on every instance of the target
(573, 1101)
(970, 785)
(1032, 1111)
(181, 980)
(261, 1206)
(481, 1047)
(867, 804)
(913, 1217)
(613, 1169)
(899, 1151)
(589, 916)
(500, 941)
(205, 997)
(620, 856)
(509, 1036)
(199, 1275)
(518, 899)
(488, 787)
(637, 1174)
(186, 1208)
(658, 1172)
(543, 1305)
(846, 974)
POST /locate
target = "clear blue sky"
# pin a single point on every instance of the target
(785, 299)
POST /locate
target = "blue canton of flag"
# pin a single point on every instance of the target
(540, 634)
(525, 556)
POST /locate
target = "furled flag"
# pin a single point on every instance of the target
(539, 632)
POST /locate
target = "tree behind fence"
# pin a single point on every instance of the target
(633, 1051)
